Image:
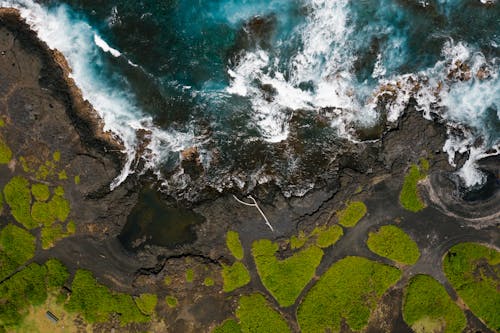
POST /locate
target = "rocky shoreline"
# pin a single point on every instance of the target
(44, 112)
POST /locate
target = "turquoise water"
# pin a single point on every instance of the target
(264, 89)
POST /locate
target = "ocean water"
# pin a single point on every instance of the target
(266, 89)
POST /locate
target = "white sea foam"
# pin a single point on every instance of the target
(79, 43)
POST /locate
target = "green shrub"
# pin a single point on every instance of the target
(18, 196)
(146, 303)
(16, 247)
(286, 278)
(235, 276)
(474, 271)
(351, 215)
(350, 290)
(171, 301)
(327, 236)
(57, 274)
(256, 316)
(427, 307)
(17, 293)
(5, 152)
(96, 303)
(40, 192)
(234, 245)
(189, 275)
(393, 243)
(409, 196)
(208, 282)
(228, 326)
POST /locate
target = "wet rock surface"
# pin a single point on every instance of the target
(45, 112)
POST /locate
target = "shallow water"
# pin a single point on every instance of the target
(262, 88)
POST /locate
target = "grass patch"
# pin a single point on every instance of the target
(350, 216)
(17, 194)
(349, 290)
(393, 243)
(16, 247)
(326, 236)
(189, 275)
(146, 303)
(208, 282)
(171, 301)
(228, 326)
(5, 152)
(474, 271)
(235, 276)
(234, 244)
(409, 197)
(285, 278)
(427, 307)
(95, 302)
(40, 192)
(256, 316)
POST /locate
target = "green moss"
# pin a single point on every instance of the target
(18, 196)
(51, 234)
(146, 303)
(62, 175)
(70, 228)
(349, 290)
(351, 215)
(286, 278)
(16, 247)
(208, 282)
(2, 123)
(59, 208)
(235, 276)
(256, 316)
(167, 280)
(77, 180)
(57, 274)
(297, 242)
(409, 196)
(40, 212)
(424, 164)
(40, 192)
(171, 301)
(327, 236)
(428, 306)
(56, 156)
(1, 203)
(45, 170)
(393, 243)
(96, 303)
(228, 326)
(5, 153)
(234, 245)
(474, 271)
(59, 191)
(189, 275)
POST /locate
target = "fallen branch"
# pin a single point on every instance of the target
(256, 205)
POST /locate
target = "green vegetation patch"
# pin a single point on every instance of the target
(393, 243)
(5, 152)
(427, 307)
(297, 242)
(234, 244)
(40, 192)
(1, 203)
(256, 316)
(57, 274)
(171, 301)
(349, 290)
(146, 303)
(208, 282)
(17, 194)
(351, 215)
(228, 326)
(235, 276)
(409, 197)
(16, 247)
(189, 275)
(326, 236)
(474, 271)
(285, 278)
(95, 302)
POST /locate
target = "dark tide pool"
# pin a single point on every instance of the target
(153, 222)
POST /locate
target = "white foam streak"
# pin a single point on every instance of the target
(105, 47)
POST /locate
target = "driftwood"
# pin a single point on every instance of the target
(256, 205)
